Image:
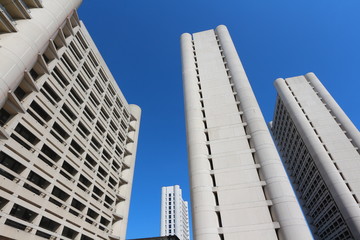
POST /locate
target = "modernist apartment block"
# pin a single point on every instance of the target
(174, 213)
(239, 186)
(320, 148)
(67, 135)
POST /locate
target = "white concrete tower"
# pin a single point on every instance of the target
(320, 148)
(239, 188)
(68, 137)
(174, 213)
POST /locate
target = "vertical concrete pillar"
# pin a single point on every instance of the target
(346, 123)
(285, 208)
(204, 218)
(119, 228)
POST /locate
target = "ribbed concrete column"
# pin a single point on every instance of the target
(346, 123)
(336, 185)
(119, 228)
(285, 208)
(204, 218)
(21, 48)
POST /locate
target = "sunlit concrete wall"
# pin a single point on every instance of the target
(68, 137)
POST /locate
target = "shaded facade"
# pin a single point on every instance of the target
(239, 188)
(68, 137)
(320, 149)
(174, 213)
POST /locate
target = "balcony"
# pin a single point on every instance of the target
(7, 23)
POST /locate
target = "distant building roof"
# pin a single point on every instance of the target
(158, 238)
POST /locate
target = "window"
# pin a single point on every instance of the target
(4, 117)
(22, 213)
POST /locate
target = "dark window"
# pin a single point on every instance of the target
(50, 153)
(109, 200)
(84, 129)
(49, 224)
(69, 112)
(20, 93)
(67, 232)
(14, 224)
(42, 234)
(77, 147)
(104, 221)
(34, 74)
(38, 181)
(103, 172)
(84, 181)
(96, 143)
(60, 77)
(52, 93)
(83, 237)
(69, 168)
(76, 96)
(22, 213)
(4, 117)
(78, 205)
(11, 163)
(90, 160)
(60, 194)
(91, 213)
(60, 130)
(40, 111)
(25, 133)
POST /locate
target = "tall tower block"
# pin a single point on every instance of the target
(239, 188)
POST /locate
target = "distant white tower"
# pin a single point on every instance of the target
(174, 213)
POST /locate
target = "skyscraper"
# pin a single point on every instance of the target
(174, 213)
(67, 135)
(239, 188)
(320, 148)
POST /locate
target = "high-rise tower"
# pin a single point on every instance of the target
(239, 187)
(67, 135)
(320, 148)
(174, 213)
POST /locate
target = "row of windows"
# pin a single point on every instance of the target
(83, 148)
(306, 177)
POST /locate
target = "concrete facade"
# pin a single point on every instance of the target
(320, 148)
(174, 213)
(68, 137)
(239, 188)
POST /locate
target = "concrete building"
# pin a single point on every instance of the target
(239, 188)
(174, 213)
(67, 135)
(320, 149)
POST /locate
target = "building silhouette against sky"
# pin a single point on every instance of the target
(239, 188)
(68, 136)
(174, 213)
(320, 149)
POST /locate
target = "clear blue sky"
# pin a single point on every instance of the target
(139, 40)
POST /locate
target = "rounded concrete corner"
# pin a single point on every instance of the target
(278, 80)
(310, 74)
(185, 36)
(135, 111)
(221, 27)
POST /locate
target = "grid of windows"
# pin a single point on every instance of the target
(175, 213)
(322, 211)
(66, 137)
